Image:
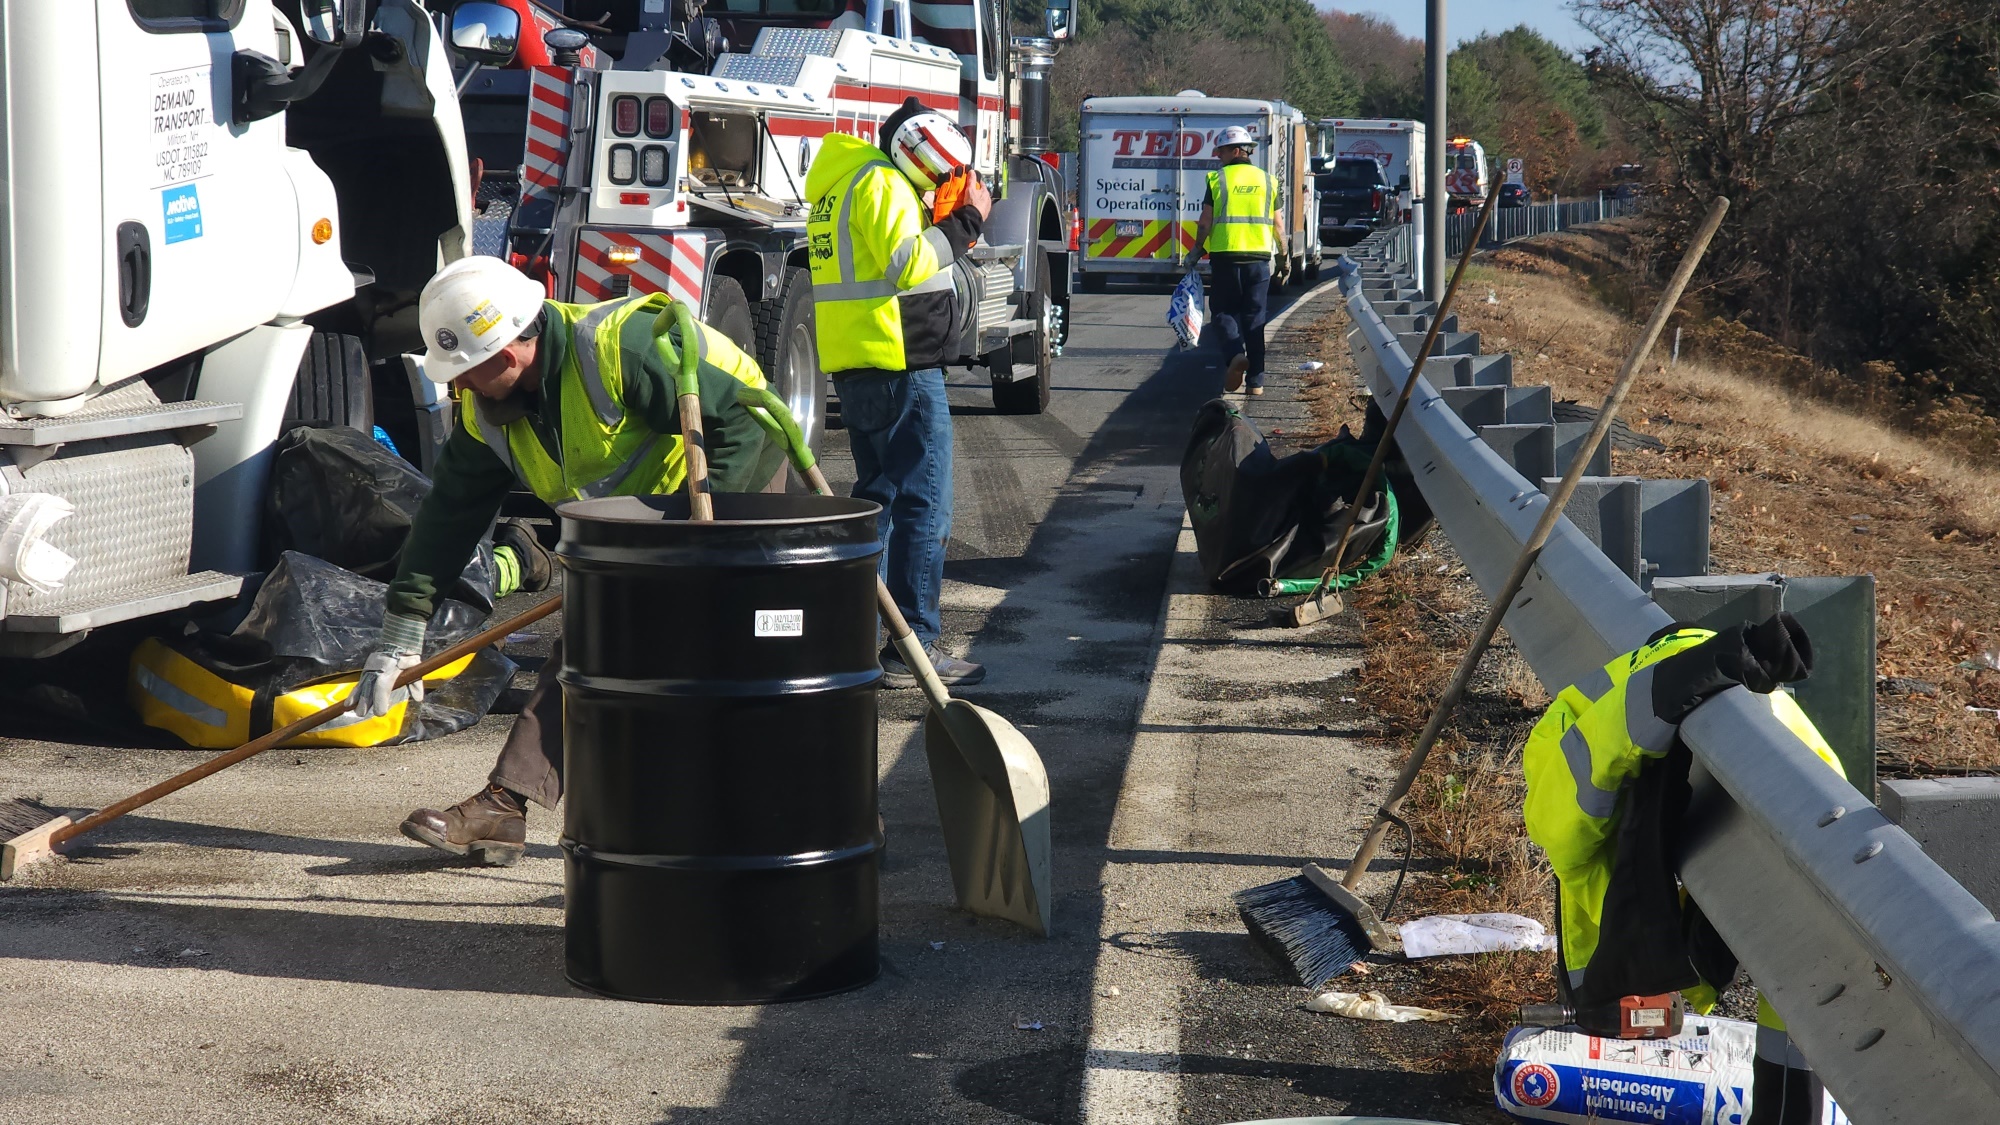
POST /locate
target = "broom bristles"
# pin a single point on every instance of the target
(21, 815)
(1303, 929)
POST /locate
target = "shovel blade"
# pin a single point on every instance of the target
(993, 805)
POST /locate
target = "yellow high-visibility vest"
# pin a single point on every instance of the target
(605, 452)
(1245, 222)
(857, 278)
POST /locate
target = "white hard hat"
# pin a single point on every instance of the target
(1235, 135)
(928, 149)
(471, 309)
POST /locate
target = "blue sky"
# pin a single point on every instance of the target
(1467, 18)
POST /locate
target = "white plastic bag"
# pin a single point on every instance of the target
(1443, 934)
(1371, 1006)
(25, 557)
(1185, 310)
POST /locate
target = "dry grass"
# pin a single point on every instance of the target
(1801, 486)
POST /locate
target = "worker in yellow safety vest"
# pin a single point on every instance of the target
(1240, 229)
(885, 310)
(575, 402)
(1607, 789)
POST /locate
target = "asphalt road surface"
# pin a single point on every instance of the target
(265, 946)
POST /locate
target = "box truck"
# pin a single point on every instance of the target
(1143, 171)
(1398, 146)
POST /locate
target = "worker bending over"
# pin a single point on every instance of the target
(884, 312)
(574, 402)
(1240, 229)
(1607, 778)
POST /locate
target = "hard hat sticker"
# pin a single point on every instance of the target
(482, 319)
(781, 623)
(447, 340)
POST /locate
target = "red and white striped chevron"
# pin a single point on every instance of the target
(672, 263)
(548, 131)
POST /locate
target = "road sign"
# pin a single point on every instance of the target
(1514, 170)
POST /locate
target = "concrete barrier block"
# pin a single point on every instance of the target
(1957, 820)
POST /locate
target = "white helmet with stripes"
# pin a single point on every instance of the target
(929, 149)
(471, 309)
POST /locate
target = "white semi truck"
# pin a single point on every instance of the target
(1143, 169)
(217, 217)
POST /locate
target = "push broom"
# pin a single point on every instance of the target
(1317, 923)
(1324, 601)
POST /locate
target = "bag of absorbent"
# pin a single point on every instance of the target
(1700, 1077)
(300, 650)
(1259, 517)
(337, 494)
(1184, 310)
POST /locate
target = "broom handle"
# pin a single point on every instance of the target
(1532, 549)
(257, 746)
(1388, 438)
(900, 634)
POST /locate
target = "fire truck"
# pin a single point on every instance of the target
(665, 149)
(217, 215)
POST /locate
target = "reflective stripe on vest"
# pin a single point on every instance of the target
(1243, 223)
(857, 315)
(603, 453)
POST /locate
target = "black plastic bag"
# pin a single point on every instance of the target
(338, 495)
(312, 620)
(1257, 516)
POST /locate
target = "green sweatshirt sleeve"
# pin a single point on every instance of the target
(467, 489)
(741, 458)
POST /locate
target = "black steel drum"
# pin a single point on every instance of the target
(719, 687)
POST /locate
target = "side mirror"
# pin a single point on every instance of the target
(485, 32)
(1403, 182)
(1058, 14)
(335, 23)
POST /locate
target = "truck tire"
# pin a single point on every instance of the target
(1036, 349)
(788, 352)
(727, 311)
(333, 386)
(1093, 282)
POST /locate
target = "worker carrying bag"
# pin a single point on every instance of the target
(1259, 517)
(300, 650)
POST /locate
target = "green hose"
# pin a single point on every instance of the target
(686, 360)
(771, 413)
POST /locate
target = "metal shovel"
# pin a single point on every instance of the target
(992, 792)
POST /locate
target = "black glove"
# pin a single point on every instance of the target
(1759, 656)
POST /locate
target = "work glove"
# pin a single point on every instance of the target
(1772, 652)
(1758, 656)
(400, 647)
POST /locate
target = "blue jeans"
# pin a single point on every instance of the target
(1237, 293)
(900, 429)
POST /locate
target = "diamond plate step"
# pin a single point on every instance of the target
(131, 409)
(158, 596)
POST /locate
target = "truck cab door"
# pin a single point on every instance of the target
(201, 221)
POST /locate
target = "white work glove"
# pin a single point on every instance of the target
(400, 647)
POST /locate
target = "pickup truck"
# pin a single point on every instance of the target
(1354, 198)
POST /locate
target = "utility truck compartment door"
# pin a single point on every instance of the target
(1138, 170)
(214, 197)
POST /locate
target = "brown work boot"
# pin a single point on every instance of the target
(491, 826)
(1233, 381)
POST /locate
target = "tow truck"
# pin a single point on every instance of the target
(659, 157)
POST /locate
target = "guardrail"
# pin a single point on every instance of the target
(1510, 224)
(1886, 971)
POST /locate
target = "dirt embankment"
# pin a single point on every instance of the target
(1802, 485)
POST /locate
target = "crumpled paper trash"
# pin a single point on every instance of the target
(1372, 1006)
(1444, 934)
